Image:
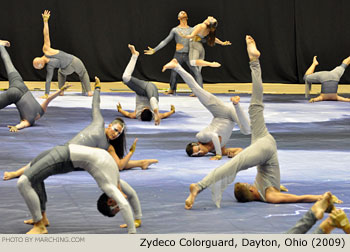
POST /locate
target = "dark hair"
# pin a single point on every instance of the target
(189, 148)
(242, 193)
(102, 206)
(212, 33)
(119, 144)
(146, 115)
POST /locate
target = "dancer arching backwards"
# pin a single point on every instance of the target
(18, 93)
(202, 31)
(147, 96)
(328, 79)
(214, 137)
(181, 53)
(66, 63)
(96, 135)
(63, 159)
(262, 153)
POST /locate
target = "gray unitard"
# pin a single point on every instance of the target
(181, 55)
(305, 224)
(197, 51)
(94, 134)
(62, 159)
(140, 87)
(262, 151)
(328, 79)
(18, 93)
(66, 64)
(224, 115)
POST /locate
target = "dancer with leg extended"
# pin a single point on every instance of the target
(181, 53)
(66, 63)
(18, 93)
(262, 153)
(214, 137)
(63, 159)
(112, 139)
(147, 97)
(201, 32)
(328, 79)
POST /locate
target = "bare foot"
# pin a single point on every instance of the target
(31, 222)
(235, 99)
(347, 61)
(192, 95)
(172, 64)
(5, 43)
(194, 190)
(169, 92)
(215, 64)
(335, 200)
(10, 175)
(39, 228)
(97, 82)
(253, 52)
(90, 93)
(133, 50)
(147, 162)
(322, 205)
(314, 61)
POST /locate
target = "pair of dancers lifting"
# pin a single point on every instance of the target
(66, 63)
(112, 139)
(262, 153)
(147, 97)
(18, 93)
(329, 81)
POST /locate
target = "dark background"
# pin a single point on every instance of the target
(288, 33)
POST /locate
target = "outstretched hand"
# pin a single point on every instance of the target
(150, 51)
(12, 128)
(172, 108)
(216, 157)
(46, 15)
(119, 107)
(65, 86)
(226, 43)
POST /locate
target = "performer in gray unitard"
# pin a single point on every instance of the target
(18, 93)
(262, 153)
(182, 50)
(328, 79)
(337, 218)
(214, 137)
(66, 63)
(147, 96)
(63, 159)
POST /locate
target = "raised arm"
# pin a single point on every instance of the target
(226, 43)
(122, 162)
(163, 43)
(47, 44)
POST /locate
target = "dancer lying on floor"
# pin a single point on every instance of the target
(96, 135)
(63, 159)
(328, 79)
(147, 96)
(18, 93)
(262, 153)
(66, 63)
(214, 137)
(336, 219)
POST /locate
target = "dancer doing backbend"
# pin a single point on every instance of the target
(66, 63)
(181, 53)
(336, 219)
(262, 153)
(147, 96)
(18, 93)
(201, 32)
(328, 79)
(214, 137)
(96, 135)
(63, 159)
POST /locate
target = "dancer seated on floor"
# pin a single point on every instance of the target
(147, 96)
(96, 135)
(336, 219)
(63, 159)
(214, 137)
(262, 153)
(328, 79)
(201, 32)
(18, 93)
(66, 63)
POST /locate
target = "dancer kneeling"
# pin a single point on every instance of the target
(262, 153)
(63, 159)
(147, 96)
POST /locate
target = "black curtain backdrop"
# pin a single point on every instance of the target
(288, 33)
